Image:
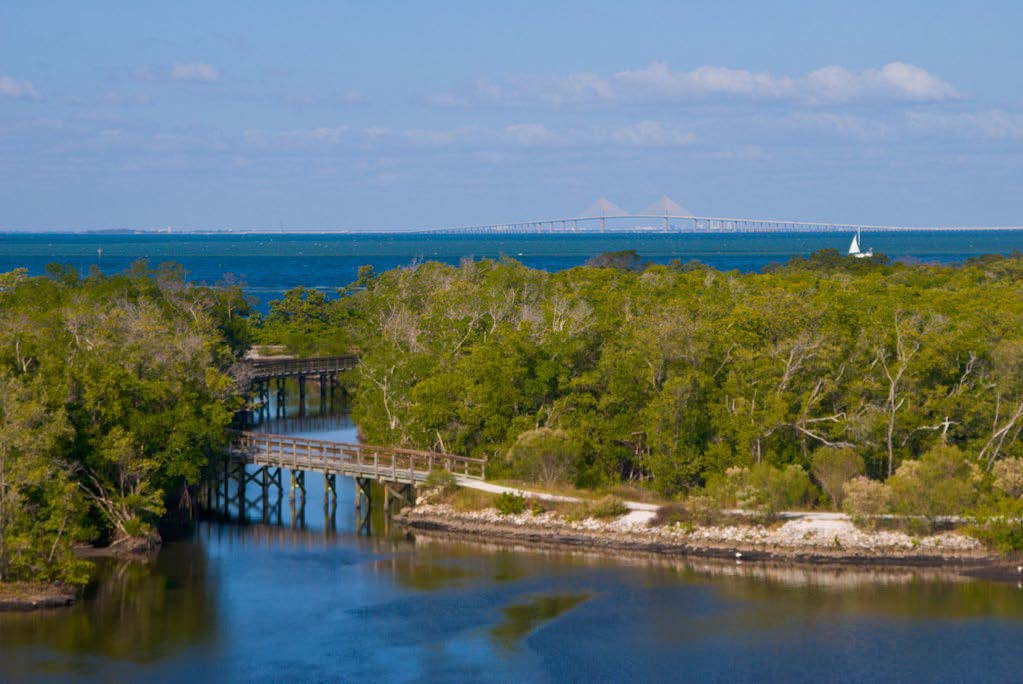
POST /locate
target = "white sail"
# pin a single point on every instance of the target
(854, 248)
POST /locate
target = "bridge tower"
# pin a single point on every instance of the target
(667, 208)
(603, 209)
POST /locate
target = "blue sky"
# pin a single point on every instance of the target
(402, 115)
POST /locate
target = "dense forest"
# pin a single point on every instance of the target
(677, 376)
(826, 381)
(113, 394)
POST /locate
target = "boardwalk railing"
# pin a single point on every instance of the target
(389, 464)
(288, 367)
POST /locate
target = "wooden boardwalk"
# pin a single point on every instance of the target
(323, 370)
(265, 369)
(358, 461)
(259, 458)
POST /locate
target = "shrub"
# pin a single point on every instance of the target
(698, 509)
(508, 503)
(763, 488)
(670, 514)
(941, 482)
(441, 480)
(833, 468)
(864, 499)
(1009, 477)
(608, 507)
(1000, 526)
(625, 260)
(546, 456)
(703, 510)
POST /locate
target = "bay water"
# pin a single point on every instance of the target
(310, 595)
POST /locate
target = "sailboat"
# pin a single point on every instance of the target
(855, 250)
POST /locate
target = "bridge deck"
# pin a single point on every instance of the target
(390, 464)
(278, 368)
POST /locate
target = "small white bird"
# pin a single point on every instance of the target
(738, 554)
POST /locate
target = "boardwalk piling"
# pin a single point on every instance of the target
(398, 470)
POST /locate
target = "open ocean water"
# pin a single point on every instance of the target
(269, 264)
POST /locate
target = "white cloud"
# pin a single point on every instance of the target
(650, 134)
(532, 135)
(580, 87)
(296, 140)
(895, 81)
(469, 138)
(421, 137)
(19, 90)
(842, 124)
(641, 134)
(194, 71)
(657, 82)
(992, 124)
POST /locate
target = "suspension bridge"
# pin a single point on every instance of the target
(667, 216)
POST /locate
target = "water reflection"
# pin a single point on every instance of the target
(133, 611)
(523, 618)
(314, 596)
(422, 575)
(336, 426)
(909, 592)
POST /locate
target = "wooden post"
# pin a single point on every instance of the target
(265, 491)
(282, 398)
(365, 487)
(227, 480)
(293, 512)
(242, 512)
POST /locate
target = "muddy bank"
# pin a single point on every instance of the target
(140, 549)
(1009, 572)
(21, 596)
(802, 541)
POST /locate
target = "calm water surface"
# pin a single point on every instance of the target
(286, 602)
(270, 264)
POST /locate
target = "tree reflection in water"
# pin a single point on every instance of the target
(522, 618)
(132, 611)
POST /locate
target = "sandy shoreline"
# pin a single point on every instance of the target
(833, 542)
